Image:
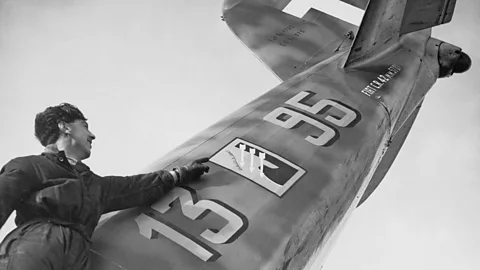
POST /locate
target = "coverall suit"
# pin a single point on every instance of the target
(58, 206)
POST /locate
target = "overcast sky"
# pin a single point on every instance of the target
(151, 74)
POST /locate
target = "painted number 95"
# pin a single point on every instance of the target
(291, 118)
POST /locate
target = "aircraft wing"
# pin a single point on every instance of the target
(285, 171)
(287, 44)
(389, 157)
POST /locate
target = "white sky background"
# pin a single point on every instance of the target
(151, 74)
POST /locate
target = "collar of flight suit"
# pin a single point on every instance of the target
(51, 152)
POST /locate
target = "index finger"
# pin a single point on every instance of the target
(202, 160)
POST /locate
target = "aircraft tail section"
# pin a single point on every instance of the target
(361, 4)
(386, 20)
(277, 4)
(422, 14)
(287, 44)
(322, 18)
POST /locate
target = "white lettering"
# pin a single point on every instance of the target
(295, 119)
(368, 91)
(380, 81)
(382, 78)
(376, 84)
(147, 225)
(193, 210)
(348, 118)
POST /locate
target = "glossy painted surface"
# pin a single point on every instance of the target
(286, 44)
(249, 225)
(384, 23)
(389, 157)
(287, 169)
(269, 229)
(362, 4)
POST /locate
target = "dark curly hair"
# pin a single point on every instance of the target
(46, 122)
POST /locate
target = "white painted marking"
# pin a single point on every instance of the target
(252, 155)
(262, 158)
(348, 118)
(242, 154)
(224, 159)
(297, 118)
(148, 224)
(194, 210)
(335, 8)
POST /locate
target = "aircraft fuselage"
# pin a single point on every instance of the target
(286, 170)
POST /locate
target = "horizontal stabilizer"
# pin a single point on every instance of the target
(322, 18)
(361, 4)
(285, 43)
(422, 14)
(278, 4)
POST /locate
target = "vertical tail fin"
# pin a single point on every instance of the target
(378, 30)
(386, 20)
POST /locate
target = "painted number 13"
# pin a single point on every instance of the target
(194, 209)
